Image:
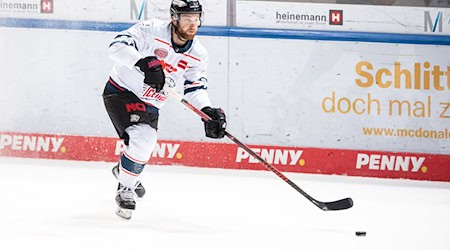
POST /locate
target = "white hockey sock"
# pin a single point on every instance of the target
(127, 178)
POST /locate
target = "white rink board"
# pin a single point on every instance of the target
(291, 85)
(275, 92)
(66, 74)
(109, 11)
(364, 18)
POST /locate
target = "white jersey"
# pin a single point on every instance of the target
(153, 38)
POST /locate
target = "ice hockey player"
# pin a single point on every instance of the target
(147, 57)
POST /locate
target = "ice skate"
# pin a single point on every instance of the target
(126, 202)
(139, 188)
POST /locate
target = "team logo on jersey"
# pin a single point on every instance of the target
(161, 53)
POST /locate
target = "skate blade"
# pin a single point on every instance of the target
(124, 213)
(115, 171)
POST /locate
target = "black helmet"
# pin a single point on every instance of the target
(185, 6)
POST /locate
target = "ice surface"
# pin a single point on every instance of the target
(48, 204)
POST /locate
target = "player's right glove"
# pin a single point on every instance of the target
(154, 74)
(215, 128)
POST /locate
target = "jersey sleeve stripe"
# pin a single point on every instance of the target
(125, 39)
(189, 90)
(123, 43)
(192, 83)
(120, 35)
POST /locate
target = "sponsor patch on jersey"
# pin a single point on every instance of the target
(161, 53)
(150, 94)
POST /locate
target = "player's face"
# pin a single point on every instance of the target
(188, 25)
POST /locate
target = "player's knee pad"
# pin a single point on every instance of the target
(142, 141)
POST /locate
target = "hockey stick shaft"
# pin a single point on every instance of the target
(335, 205)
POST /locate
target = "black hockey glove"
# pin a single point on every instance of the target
(154, 74)
(215, 128)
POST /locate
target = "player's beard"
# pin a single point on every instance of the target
(184, 34)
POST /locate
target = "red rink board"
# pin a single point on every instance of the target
(416, 166)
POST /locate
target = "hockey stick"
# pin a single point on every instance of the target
(325, 206)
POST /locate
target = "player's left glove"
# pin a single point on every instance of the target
(215, 128)
(154, 74)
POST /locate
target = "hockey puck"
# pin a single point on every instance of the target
(360, 233)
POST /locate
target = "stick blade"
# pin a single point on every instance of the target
(337, 205)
